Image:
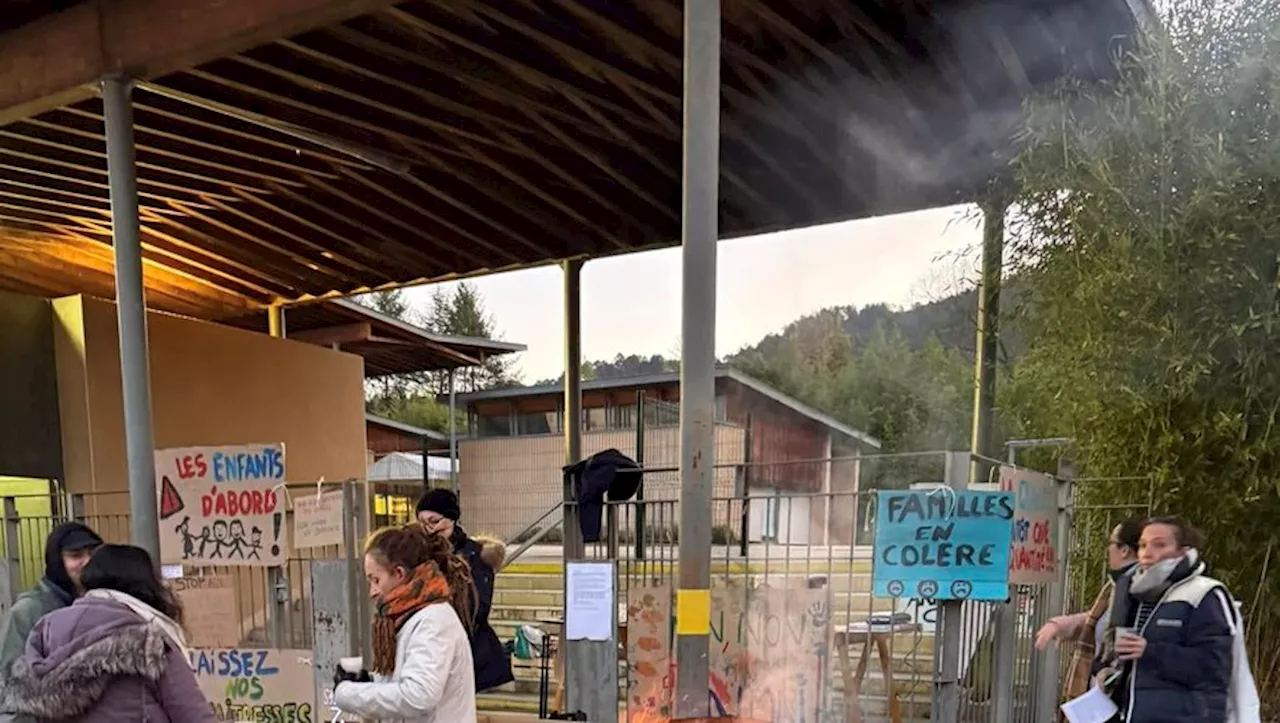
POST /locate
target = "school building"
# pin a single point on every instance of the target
(800, 462)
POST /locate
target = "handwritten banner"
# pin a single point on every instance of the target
(769, 652)
(255, 684)
(649, 654)
(317, 520)
(209, 610)
(1034, 557)
(221, 505)
(943, 545)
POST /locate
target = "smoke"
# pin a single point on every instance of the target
(932, 121)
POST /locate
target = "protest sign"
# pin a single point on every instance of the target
(317, 520)
(209, 610)
(943, 544)
(255, 684)
(221, 505)
(1034, 557)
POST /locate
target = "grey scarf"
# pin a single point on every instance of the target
(1149, 586)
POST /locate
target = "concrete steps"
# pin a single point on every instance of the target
(529, 593)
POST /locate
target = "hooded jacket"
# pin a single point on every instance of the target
(54, 591)
(1184, 675)
(485, 555)
(99, 662)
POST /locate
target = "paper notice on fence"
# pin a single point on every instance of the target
(589, 608)
(317, 520)
(209, 610)
(1092, 707)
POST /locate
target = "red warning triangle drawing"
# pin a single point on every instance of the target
(170, 502)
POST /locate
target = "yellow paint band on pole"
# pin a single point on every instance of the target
(693, 612)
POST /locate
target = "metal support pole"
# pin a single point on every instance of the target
(574, 548)
(984, 387)
(744, 540)
(698, 353)
(131, 310)
(590, 666)
(453, 433)
(946, 686)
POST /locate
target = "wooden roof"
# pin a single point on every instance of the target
(435, 140)
(389, 346)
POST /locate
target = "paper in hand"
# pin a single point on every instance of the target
(1092, 707)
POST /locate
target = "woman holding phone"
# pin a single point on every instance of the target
(1167, 655)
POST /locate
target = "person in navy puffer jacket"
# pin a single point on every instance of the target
(1171, 659)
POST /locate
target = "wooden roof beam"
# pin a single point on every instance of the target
(56, 60)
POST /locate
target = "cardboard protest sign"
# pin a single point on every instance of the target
(317, 520)
(255, 684)
(943, 545)
(1034, 557)
(209, 610)
(221, 505)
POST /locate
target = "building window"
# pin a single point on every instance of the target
(495, 425)
(621, 417)
(530, 423)
(661, 414)
(722, 408)
(594, 419)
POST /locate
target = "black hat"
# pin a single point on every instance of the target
(442, 502)
(66, 537)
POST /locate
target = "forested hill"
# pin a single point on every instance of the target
(949, 320)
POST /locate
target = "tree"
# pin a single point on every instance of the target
(1147, 249)
(394, 389)
(412, 398)
(462, 313)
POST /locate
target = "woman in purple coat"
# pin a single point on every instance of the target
(117, 654)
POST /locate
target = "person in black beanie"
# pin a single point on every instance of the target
(66, 552)
(438, 511)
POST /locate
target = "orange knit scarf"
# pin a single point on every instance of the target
(425, 586)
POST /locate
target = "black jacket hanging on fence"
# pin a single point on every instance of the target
(604, 472)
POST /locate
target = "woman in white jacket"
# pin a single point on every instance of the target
(422, 670)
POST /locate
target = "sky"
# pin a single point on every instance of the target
(631, 303)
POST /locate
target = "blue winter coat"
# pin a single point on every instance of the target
(1184, 676)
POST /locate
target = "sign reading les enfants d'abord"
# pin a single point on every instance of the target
(943, 545)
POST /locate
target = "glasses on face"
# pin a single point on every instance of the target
(432, 521)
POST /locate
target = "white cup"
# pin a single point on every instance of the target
(351, 665)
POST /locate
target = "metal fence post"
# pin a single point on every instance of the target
(362, 516)
(641, 430)
(946, 686)
(11, 565)
(350, 553)
(1047, 691)
(1005, 639)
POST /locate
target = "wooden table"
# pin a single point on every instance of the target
(868, 634)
